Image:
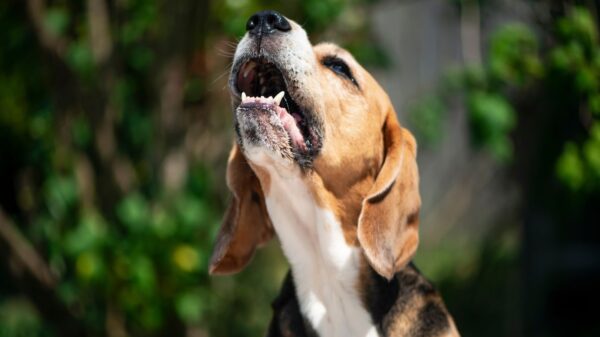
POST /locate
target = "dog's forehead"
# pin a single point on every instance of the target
(331, 49)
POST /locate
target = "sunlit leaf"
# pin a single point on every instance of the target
(89, 265)
(133, 212)
(190, 306)
(570, 168)
(186, 258)
(56, 20)
(89, 234)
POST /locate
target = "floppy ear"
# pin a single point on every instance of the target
(246, 224)
(388, 226)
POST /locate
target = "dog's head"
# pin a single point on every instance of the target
(314, 112)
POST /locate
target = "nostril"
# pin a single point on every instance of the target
(267, 22)
(280, 22)
(252, 22)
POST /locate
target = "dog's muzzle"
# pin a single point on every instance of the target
(268, 116)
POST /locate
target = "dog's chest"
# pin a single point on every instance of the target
(324, 266)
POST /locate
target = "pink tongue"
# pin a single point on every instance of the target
(289, 124)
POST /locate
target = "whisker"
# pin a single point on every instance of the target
(225, 53)
(225, 72)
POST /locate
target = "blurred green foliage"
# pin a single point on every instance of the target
(114, 133)
(518, 64)
(532, 105)
(92, 123)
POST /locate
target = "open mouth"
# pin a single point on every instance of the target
(261, 85)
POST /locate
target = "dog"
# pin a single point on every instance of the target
(321, 160)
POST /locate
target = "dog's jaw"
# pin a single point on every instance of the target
(291, 129)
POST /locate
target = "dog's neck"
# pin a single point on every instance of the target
(325, 268)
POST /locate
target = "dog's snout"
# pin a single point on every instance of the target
(267, 22)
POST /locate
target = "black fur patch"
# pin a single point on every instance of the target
(403, 295)
(432, 320)
(408, 293)
(287, 319)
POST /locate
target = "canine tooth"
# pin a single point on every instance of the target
(278, 97)
(243, 96)
(263, 91)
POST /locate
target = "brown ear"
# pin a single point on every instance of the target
(388, 226)
(246, 224)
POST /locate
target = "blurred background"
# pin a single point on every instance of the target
(115, 126)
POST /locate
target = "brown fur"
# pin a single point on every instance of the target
(366, 174)
(246, 224)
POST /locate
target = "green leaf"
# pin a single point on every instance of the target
(81, 132)
(586, 80)
(191, 211)
(151, 317)
(143, 275)
(18, 317)
(493, 110)
(579, 24)
(61, 193)
(492, 118)
(79, 57)
(514, 54)
(89, 266)
(570, 168)
(594, 104)
(190, 306)
(591, 150)
(163, 223)
(56, 21)
(89, 234)
(133, 212)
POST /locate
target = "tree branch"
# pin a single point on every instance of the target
(55, 44)
(23, 253)
(32, 275)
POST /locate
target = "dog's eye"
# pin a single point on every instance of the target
(339, 67)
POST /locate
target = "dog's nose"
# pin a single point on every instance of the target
(267, 22)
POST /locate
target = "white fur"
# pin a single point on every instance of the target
(324, 266)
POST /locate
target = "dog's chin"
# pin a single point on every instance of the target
(260, 131)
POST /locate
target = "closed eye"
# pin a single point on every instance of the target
(338, 66)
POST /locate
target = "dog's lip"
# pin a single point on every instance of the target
(308, 123)
(287, 120)
(294, 116)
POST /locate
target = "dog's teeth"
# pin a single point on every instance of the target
(243, 96)
(263, 91)
(278, 97)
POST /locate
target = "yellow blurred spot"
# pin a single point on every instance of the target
(86, 265)
(236, 4)
(186, 258)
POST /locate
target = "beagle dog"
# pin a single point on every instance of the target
(321, 160)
